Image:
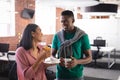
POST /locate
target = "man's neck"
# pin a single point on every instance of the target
(71, 30)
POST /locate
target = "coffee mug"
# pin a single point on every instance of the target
(67, 60)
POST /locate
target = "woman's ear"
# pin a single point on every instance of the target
(73, 21)
(32, 33)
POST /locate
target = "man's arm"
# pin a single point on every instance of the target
(87, 59)
(86, 50)
(54, 51)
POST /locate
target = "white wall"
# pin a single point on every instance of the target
(45, 17)
(108, 29)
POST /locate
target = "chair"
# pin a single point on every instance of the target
(11, 58)
(96, 54)
(4, 48)
(12, 75)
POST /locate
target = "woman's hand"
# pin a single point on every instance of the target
(45, 52)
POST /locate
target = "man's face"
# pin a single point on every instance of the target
(67, 22)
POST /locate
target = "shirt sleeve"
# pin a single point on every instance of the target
(85, 42)
(55, 42)
(23, 65)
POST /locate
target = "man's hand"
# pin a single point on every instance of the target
(62, 62)
(72, 63)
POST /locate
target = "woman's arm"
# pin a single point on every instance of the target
(28, 71)
(44, 53)
(24, 69)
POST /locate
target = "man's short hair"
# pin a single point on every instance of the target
(67, 13)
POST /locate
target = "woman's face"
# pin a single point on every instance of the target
(37, 35)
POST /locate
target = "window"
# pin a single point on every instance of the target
(7, 18)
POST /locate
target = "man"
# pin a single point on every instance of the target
(71, 43)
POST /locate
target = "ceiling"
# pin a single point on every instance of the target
(76, 3)
(68, 3)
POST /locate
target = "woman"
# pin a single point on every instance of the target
(30, 55)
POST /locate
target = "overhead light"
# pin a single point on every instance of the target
(70, 3)
(102, 8)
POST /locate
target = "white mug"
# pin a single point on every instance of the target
(67, 60)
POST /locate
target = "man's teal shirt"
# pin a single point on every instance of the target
(78, 47)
